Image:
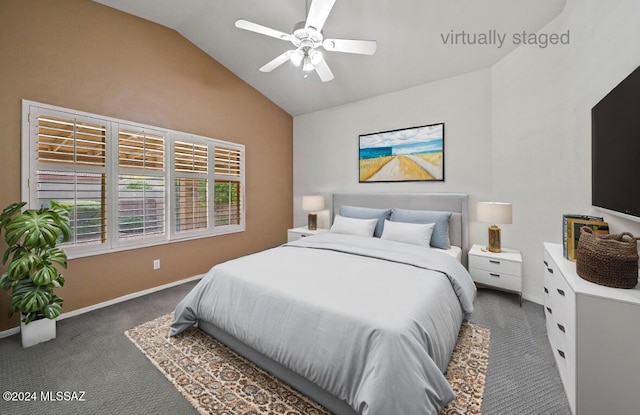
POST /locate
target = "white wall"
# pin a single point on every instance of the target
(517, 132)
(541, 119)
(325, 143)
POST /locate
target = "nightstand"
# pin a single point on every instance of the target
(501, 270)
(297, 233)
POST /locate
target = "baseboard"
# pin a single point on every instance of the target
(15, 330)
(9, 332)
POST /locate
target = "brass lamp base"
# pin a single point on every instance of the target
(494, 239)
(312, 223)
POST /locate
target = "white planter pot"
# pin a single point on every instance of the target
(37, 331)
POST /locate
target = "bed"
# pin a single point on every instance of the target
(363, 325)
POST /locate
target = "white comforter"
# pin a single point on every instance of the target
(371, 321)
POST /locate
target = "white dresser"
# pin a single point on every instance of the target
(594, 332)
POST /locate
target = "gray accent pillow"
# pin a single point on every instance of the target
(367, 213)
(440, 236)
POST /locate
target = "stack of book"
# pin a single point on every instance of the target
(571, 225)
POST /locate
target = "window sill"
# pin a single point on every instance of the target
(73, 253)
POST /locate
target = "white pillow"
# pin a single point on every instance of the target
(353, 226)
(410, 233)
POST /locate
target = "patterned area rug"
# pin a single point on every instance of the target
(215, 380)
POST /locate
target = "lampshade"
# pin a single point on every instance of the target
(312, 203)
(314, 56)
(306, 64)
(494, 212)
(296, 57)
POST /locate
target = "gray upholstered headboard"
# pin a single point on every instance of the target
(457, 203)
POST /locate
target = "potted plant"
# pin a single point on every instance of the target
(32, 275)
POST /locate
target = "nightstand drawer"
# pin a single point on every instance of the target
(297, 233)
(496, 279)
(497, 265)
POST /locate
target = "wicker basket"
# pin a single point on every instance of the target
(610, 260)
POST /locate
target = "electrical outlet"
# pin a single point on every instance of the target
(156, 264)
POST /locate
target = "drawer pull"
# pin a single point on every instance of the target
(561, 353)
(546, 290)
(561, 292)
(546, 264)
(550, 270)
(493, 261)
(549, 310)
(494, 274)
(561, 327)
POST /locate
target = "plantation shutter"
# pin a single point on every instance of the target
(228, 209)
(141, 184)
(191, 166)
(126, 184)
(71, 170)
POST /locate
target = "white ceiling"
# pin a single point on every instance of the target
(409, 35)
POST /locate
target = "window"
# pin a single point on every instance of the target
(141, 183)
(228, 168)
(191, 185)
(72, 169)
(128, 185)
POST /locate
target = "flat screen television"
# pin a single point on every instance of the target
(615, 149)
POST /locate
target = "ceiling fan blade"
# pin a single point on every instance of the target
(318, 13)
(363, 47)
(263, 30)
(323, 71)
(273, 64)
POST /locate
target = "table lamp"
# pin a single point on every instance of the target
(312, 204)
(494, 213)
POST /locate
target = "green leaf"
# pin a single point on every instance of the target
(57, 299)
(62, 219)
(45, 275)
(9, 211)
(52, 310)
(12, 310)
(30, 299)
(15, 250)
(19, 269)
(59, 282)
(22, 264)
(5, 282)
(36, 231)
(55, 255)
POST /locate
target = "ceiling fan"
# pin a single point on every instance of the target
(307, 38)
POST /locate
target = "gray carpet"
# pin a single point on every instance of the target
(92, 354)
(522, 377)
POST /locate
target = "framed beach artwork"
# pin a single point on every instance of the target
(408, 154)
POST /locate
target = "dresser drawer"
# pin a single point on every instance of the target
(496, 279)
(500, 266)
(550, 274)
(551, 326)
(566, 368)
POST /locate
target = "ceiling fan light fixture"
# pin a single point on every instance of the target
(306, 37)
(296, 57)
(315, 57)
(307, 65)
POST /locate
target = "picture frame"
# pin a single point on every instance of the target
(403, 155)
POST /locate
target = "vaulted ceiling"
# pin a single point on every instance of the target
(419, 41)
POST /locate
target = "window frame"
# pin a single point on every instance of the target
(114, 225)
(30, 167)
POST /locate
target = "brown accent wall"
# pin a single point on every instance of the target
(85, 56)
